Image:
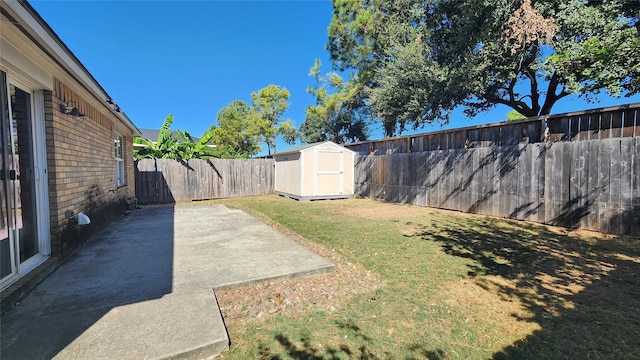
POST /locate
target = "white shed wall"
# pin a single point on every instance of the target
(287, 179)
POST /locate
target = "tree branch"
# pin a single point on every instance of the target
(519, 106)
(512, 85)
(552, 97)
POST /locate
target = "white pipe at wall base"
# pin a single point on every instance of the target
(83, 219)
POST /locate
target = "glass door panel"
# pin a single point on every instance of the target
(8, 268)
(23, 189)
(18, 226)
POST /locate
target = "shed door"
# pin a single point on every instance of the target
(329, 172)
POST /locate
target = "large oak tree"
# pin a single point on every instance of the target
(421, 59)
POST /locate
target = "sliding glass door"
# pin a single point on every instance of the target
(20, 245)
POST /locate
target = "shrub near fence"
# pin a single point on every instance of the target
(579, 170)
(161, 181)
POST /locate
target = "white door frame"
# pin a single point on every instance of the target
(13, 254)
(40, 179)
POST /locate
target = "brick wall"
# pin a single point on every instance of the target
(81, 168)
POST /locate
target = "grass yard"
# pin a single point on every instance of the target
(456, 286)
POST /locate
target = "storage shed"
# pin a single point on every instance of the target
(315, 172)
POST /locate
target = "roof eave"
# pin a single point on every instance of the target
(45, 33)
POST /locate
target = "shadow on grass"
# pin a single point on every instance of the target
(583, 293)
(302, 348)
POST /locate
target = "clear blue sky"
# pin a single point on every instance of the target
(192, 58)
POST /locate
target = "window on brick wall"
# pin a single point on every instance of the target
(118, 144)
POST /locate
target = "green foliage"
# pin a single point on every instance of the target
(168, 147)
(288, 131)
(338, 113)
(227, 152)
(201, 149)
(242, 127)
(421, 59)
(270, 103)
(163, 148)
(514, 115)
(238, 131)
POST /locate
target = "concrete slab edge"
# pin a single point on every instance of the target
(206, 351)
(318, 271)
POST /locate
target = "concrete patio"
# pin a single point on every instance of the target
(144, 287)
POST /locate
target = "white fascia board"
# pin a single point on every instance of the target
(42, 30)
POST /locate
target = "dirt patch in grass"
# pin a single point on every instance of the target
(381, 211)
(295, 297)
(483, 307)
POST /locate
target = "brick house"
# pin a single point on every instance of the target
(66, 148)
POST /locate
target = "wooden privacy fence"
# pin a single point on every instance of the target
(167, 181)
(576, 174)
(595, 124)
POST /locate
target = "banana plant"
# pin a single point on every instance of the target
(168, 146)
(164, 148)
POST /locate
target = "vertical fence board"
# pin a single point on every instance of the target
(494, 179)
(428, 184)
(431, 181)
(480, 206)
(604, 161)
(448, 188)
(549, 185)
(542, 175)
(503, 173)
(531, 180)
(626, 175)
(440, 184)
(593, 181)
(465, 197)
(523, 191)
(580, 190)
(421, 179)
(633, 217)
(412, 188)
(615, 175)
(436, 175)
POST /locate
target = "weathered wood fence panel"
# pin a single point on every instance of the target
(596, 124)
(589, 184)
(167, 181)
(579, 170)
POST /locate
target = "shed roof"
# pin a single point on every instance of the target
(301, 148)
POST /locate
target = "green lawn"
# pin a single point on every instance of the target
(456, 286)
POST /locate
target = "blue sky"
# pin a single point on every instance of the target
(192, 58)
